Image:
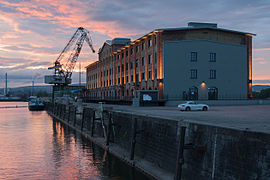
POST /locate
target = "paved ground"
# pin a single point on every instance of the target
(251, 118)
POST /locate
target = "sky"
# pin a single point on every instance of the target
(34, 32)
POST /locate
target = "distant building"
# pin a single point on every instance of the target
(197, 62)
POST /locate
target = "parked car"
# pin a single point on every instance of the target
(191, 105)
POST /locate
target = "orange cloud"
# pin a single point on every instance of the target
(261, 49)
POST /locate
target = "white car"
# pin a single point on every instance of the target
(191, 105)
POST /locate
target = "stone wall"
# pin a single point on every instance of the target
(213, 152)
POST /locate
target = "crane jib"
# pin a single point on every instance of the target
(64, 72)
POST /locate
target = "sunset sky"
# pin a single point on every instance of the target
(34, 32)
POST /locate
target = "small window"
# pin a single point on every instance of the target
(212, 74)
(137, 77)
(155, 40)
(131, 51)
(119, 57)
(193, 74)
(142, 46)
(143, 76)
(193, 56)
(149, 59)
(142, 61)
(122, 55)
(150, 75)
(123, 82)
(118, 80)
(149, 42)
(136, 63)
(212, 57)
(131, 78)
(127, 79)
(155, 58)
(118, 69)
(126, 66)
(126, 53)
(122, 67)
(136, 49)
(155, 73)
(131, 65)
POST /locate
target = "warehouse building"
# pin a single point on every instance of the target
(198, 62)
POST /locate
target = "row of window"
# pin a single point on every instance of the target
(194, 56)
(137, 48)
(194, 72)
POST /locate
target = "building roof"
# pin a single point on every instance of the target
(198, 25)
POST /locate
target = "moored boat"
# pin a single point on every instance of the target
(35, 104)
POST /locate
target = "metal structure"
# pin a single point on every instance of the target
(63, 72)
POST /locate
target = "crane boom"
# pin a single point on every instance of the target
(62, 74)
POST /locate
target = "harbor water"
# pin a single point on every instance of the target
(34, 146)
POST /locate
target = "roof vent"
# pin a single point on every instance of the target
(202, 25)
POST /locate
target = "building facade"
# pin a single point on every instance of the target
(197, 62)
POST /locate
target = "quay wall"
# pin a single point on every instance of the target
(211, 152)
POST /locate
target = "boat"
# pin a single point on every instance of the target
(35, 104)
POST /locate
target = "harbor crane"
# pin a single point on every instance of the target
(63, 71)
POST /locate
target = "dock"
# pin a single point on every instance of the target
(226, 142)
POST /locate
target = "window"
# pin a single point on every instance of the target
(137, 77)
(122, 67)
(149, 59)
(118, 80)
(126, 53)
(155, 73)
(118, 56)
(136, 63)
(155, 40)
(136, 49)
(127, 79)
(122, 55)
(193, 74)
(131, 65)
(123, 80)
(150, 75)
(212, 74)
(131, 78)
(142, 46)
(212, 57)
(155, 58)
(101, 74)
(193, 56)
(142, 75)
(126, 66)
(149, 42)
(131, 51)
(118, 69)
(142, 61)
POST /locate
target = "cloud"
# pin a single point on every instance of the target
(261, 49)
(34, 32)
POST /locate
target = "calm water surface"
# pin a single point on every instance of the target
(34, 146)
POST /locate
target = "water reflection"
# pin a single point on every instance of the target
(34, 146)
